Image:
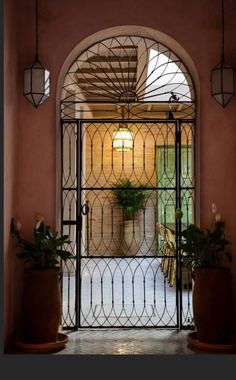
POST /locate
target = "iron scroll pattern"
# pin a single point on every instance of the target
(139, 84)
(101, 286)
(132, 73)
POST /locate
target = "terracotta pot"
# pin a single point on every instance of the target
(130, 236)
(41, 305)
(211, 304)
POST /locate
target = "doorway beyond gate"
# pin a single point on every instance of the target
(119, 280)
(127, 139)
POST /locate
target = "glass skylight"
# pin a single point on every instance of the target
(163, 77)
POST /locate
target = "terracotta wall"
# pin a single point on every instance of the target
(63, 25)
(11, 96)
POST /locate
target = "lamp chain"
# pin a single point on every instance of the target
(122, 113)
(223, 31)
(36, 29)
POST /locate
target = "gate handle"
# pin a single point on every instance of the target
(85, 209)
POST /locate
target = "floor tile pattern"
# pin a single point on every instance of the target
(128, 342)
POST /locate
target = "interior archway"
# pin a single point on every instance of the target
(127, 89)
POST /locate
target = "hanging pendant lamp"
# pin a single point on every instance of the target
(36, 77)
(222, 75)
(122, 139)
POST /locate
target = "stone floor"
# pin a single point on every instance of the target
(133, 341)
(128, 342)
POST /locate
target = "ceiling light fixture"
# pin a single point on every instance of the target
(36, 77)
(222, 75)
(122, 140)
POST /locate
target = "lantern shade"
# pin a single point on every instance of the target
(36, 83)
(222, 83)
(123, 139)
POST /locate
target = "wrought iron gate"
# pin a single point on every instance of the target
(114, 280)
(127, 111)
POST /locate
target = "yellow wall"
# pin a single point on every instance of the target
(103, 167)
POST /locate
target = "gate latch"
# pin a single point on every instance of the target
(85, 209)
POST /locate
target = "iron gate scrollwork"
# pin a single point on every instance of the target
(127, 116)
(142, 285)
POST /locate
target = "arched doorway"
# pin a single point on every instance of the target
(128, 125)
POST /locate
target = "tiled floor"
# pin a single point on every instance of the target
(128, 342)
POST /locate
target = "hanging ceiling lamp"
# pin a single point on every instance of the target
(122, 138)
(36, 77)
(222, 76)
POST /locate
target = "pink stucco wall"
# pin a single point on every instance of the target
(63, 25)
(11, 96)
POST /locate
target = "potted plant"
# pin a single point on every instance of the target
(202, 252)
(41, 296)
(130, 199)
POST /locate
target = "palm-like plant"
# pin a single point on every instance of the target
(129, 197)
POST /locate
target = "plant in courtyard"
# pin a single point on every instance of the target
(129, 197)
(45, 249)
(203, 248)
